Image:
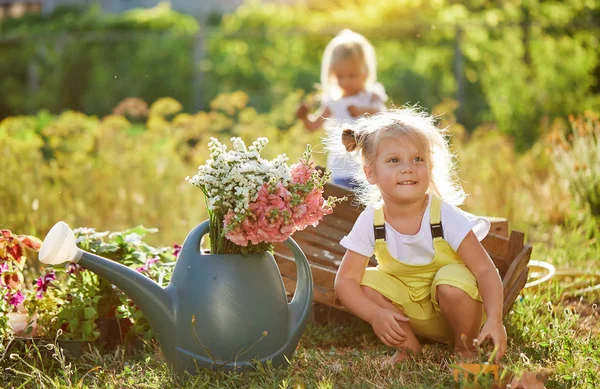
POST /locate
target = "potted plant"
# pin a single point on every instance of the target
(72, 305)
(13, 255)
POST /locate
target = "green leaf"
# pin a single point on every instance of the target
(89, 313)
(87, 328)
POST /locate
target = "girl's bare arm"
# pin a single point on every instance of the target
(490, 286)
(359, 111)
(315, 121)
(347, 285)
(348, 290)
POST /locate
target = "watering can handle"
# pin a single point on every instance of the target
(192, 241)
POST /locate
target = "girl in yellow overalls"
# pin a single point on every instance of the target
(433, 279)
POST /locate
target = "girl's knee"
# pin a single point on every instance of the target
(450, 294)
(379, 299)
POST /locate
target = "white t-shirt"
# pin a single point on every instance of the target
(415, 249)
(373, 97)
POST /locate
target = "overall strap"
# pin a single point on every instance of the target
(435, 218)
(379, 224)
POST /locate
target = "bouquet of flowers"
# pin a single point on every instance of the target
(253, 202)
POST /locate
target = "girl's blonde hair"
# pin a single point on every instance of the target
(347, 44)
(363, 138)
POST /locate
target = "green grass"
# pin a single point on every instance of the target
(551, 327)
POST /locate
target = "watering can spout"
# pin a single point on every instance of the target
(59, 246)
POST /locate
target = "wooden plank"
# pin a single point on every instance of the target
(495, 245)
(517, 267)
(321, 276)
(513, 293)
(314, 255)
(515, 245)
(499, 225)
(320, 294)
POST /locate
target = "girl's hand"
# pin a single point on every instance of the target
(386, 327)
(302, 112)
(354, 111)
(494, 329)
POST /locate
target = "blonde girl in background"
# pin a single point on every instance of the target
(349, 90)
(434, 279)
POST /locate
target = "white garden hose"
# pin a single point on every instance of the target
(541, 272)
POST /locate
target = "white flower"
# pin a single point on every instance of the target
(231, 178)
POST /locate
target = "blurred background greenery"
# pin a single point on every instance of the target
(104, 114)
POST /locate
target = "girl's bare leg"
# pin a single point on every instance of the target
(464, 322)
(411, 342)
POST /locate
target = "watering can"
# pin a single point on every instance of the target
(220, 311)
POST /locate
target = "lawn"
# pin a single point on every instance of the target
(552, 327)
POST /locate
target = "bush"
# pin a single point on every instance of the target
(89, 61)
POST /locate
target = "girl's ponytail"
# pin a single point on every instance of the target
(350, 139)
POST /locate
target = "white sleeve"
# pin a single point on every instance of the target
(378, 90)
(362, 238)
(457, 224)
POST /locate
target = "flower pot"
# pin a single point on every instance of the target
(110, 332)
(18, 321)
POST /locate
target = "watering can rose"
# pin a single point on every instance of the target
(253, 201)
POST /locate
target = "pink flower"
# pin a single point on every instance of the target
(73, 268)
(301, 172)
(146, 266)
(43, 283)
(271, 217)
(237, 237)
(176, 250)
(15, 299)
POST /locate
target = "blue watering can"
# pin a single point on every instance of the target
(220, 311)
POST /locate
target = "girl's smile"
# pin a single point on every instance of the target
(399, 170)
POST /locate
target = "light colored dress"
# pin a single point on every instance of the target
(373, 97)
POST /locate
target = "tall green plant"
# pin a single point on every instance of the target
(576, 157)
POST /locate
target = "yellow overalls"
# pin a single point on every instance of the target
(412, 287)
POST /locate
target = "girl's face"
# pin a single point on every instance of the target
(399, 170)
(350, 76)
